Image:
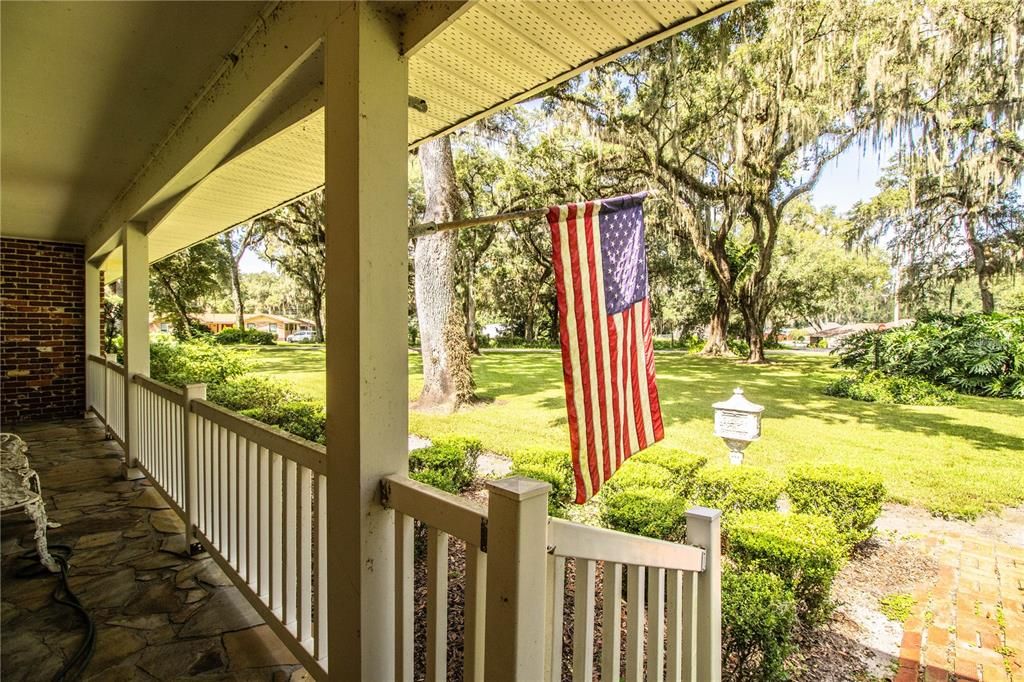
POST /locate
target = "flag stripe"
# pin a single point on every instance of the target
(597, 333)
(640, 381)
(652, 388)
(634, 381)
(582, 351)
(560, 247)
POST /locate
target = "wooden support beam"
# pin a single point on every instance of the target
(134, 328)
(366, 89)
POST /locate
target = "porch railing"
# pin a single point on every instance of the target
(251, 495)
(105, 386)
(254, 497)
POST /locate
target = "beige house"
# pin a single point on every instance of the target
(132, 130)
(278, 325)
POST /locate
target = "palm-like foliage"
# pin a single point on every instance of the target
(976, 354)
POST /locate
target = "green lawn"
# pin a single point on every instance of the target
(960, 460)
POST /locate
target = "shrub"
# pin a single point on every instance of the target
(804, 550)
(644, 510)
(851, 497)
(194, 362)
(551, 467)
(249, 393)
(448, 463)
(974, 353)
(682, 465)
(735, 488)
(303, 418)
(877, 387)
(638, 474)
(232, 335)
(758, 615)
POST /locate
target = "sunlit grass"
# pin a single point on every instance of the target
(959, 460)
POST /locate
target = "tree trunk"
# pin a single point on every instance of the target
(318, 317)
(754, 317)
(447, 375)
(981, 268)
(718, 329)
(236, 295)
(470, 311)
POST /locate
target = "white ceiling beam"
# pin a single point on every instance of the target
(271, 49)
(425, 20)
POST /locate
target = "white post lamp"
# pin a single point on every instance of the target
(738, 423)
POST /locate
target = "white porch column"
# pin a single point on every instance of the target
(92, 323)
(366, 89)
(135, 326)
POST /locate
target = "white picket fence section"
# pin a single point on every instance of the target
(672, 595)
(161, 452)
(262, 515)
(672, 601)
(95, 383)
(254, 497)
(114, 404)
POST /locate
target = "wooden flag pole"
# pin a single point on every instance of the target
(424, 229)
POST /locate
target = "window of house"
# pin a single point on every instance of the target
(164, 327)
(251, 325)
(272, 327)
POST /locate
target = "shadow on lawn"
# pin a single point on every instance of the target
(790, 387)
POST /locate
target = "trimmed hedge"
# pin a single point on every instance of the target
(758, 615)
(851, 497)
(552, 467)
(682, 465)
(250, 393)
(303, 418)
(637, 474)
(448, 463)
(804, 550)
(233, 335)
(737, 488)
(645, 510)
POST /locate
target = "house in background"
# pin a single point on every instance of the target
(278, 325)
(833, 336)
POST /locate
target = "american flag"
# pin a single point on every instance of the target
(604, 319)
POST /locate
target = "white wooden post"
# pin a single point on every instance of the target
(109, 357)
(190, 441)
(517, 514)
(704, 529)
(366, 85)
(135, 331)
(92, 327)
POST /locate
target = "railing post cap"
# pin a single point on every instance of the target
(703, 513)
(518, 488)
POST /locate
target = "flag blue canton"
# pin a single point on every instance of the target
(622, 252)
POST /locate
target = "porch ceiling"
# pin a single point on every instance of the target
(77, 159)
(88, 91)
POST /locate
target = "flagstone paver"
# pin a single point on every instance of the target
(159, 614)
(969, 624)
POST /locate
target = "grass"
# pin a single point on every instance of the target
(956, 460)
(896, 607)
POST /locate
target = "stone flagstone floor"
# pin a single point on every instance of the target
(159, 615)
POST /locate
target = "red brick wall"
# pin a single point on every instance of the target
(42, 330)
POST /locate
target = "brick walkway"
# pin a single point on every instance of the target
(969, 625)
